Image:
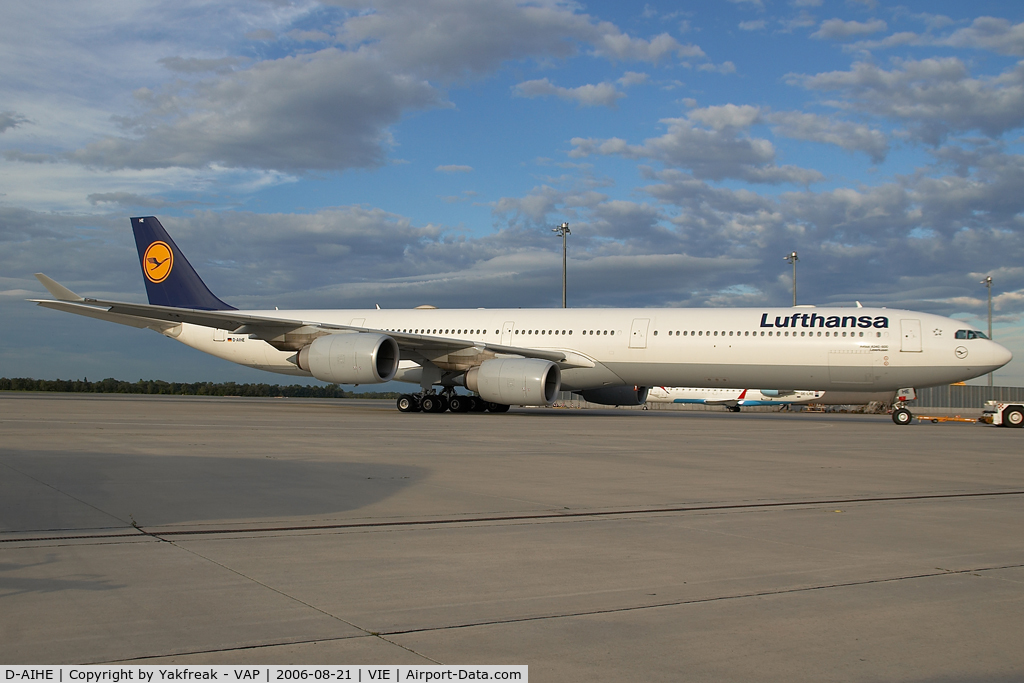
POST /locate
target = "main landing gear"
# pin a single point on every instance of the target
(447, 401)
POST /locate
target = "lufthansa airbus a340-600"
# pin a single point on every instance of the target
(524, 356)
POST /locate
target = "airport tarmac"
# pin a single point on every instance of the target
(591, 545)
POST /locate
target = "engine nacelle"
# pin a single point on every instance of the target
(775, 393)
(516, 381)
(616, 396)
(351, 358)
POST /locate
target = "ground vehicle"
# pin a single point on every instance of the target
(1002, 414)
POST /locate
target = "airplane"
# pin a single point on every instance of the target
(734, 399)
(523, 357)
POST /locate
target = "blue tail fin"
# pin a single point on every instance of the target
(170, 278)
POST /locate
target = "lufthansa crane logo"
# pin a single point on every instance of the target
(157, 262)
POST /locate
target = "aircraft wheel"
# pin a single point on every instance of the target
(1013, 417)
(734, 409)
(497, 407)
(434, 404)
(479, 405)
(407, 404)
(460, 404)
(902, 416)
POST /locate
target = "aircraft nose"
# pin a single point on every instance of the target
(1000, 355)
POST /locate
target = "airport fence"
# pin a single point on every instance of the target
(946, 396)
(965, 396)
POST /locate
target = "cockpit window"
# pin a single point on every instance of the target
(970, 334)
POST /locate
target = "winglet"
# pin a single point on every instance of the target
(59, 291)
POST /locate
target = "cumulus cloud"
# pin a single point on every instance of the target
(723, 68)
(451, 39)
(712, 143)
(325, 110)
(11, 119)
(196, 65)
(934, 97)
(454, 168)
(852, 136)
(333, 108)
(129, 199)
(990, 33)
(633, 78)
(601, 94)
(837, 29)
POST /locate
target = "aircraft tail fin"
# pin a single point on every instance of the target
(170, 278)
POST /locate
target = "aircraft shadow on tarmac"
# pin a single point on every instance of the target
(69, 490)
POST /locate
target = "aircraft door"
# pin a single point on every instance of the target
(911, 335)
(506, 333)
(638, 333)
(219, 334)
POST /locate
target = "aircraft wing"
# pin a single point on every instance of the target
(731, 402)
(262, 327)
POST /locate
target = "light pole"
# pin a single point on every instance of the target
(988, 283)
(792, 258)
(563, 230)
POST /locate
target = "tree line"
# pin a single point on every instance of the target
(156, 386)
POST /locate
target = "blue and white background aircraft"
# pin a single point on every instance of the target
(734, 399)
(525, 356)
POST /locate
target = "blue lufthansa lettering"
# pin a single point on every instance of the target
(832, 321)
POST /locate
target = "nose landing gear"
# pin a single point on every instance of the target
(902, 416)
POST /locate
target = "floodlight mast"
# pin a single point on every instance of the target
(988, 283)
(792, 258)
(563, 230)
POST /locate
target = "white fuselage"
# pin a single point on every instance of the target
(840, 349)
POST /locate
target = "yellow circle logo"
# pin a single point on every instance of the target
(157, 262)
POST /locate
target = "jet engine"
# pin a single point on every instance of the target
(616, 396)
(515, 381)
(351, 358)
(775, 393)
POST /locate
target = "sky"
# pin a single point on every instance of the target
(349, 153)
